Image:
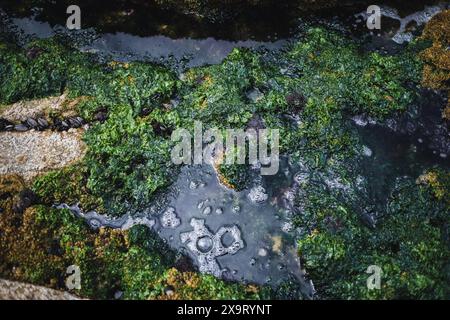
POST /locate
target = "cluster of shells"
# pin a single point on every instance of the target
(41, 124)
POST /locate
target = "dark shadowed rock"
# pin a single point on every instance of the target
(25, 199)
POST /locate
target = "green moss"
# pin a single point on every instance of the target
(67, 185)
(234, 176)
(408, 244)
(308, 93)
(128, 163)
(38, 247)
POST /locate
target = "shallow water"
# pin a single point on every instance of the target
(267, 253)
(125, 47)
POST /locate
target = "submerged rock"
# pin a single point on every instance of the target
(258, 194)
(169, 218)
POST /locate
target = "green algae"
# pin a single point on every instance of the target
(408, 244)
(128, 162)
(67, 185)
(43, 242)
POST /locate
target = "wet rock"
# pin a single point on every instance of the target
(207, 211)
(169, 291)
(256, 122)
(287, 226)
(262, 252)
(200, 204)
(145, 112)
(101, 115)
(118, 295)
(254, 95)
(193, 185)
(36, 108)
(296, 101)
(219, 211)
(34, 52)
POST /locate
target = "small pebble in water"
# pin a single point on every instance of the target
(193, 185)
(207, 211)
(366, 151)
(252, 261)
(258, 194)
(169, 291)
(94, 223)
(118, 295)
(219, 211)
(201, 204)
(262, 252)
(169, 218)
(280, 267)
(287, 226)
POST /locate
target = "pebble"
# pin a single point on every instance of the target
(169, 218)
(207, 210)
(118, 295)
(258, 194)
(367, 151)
(262, 252)
(193, 185)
